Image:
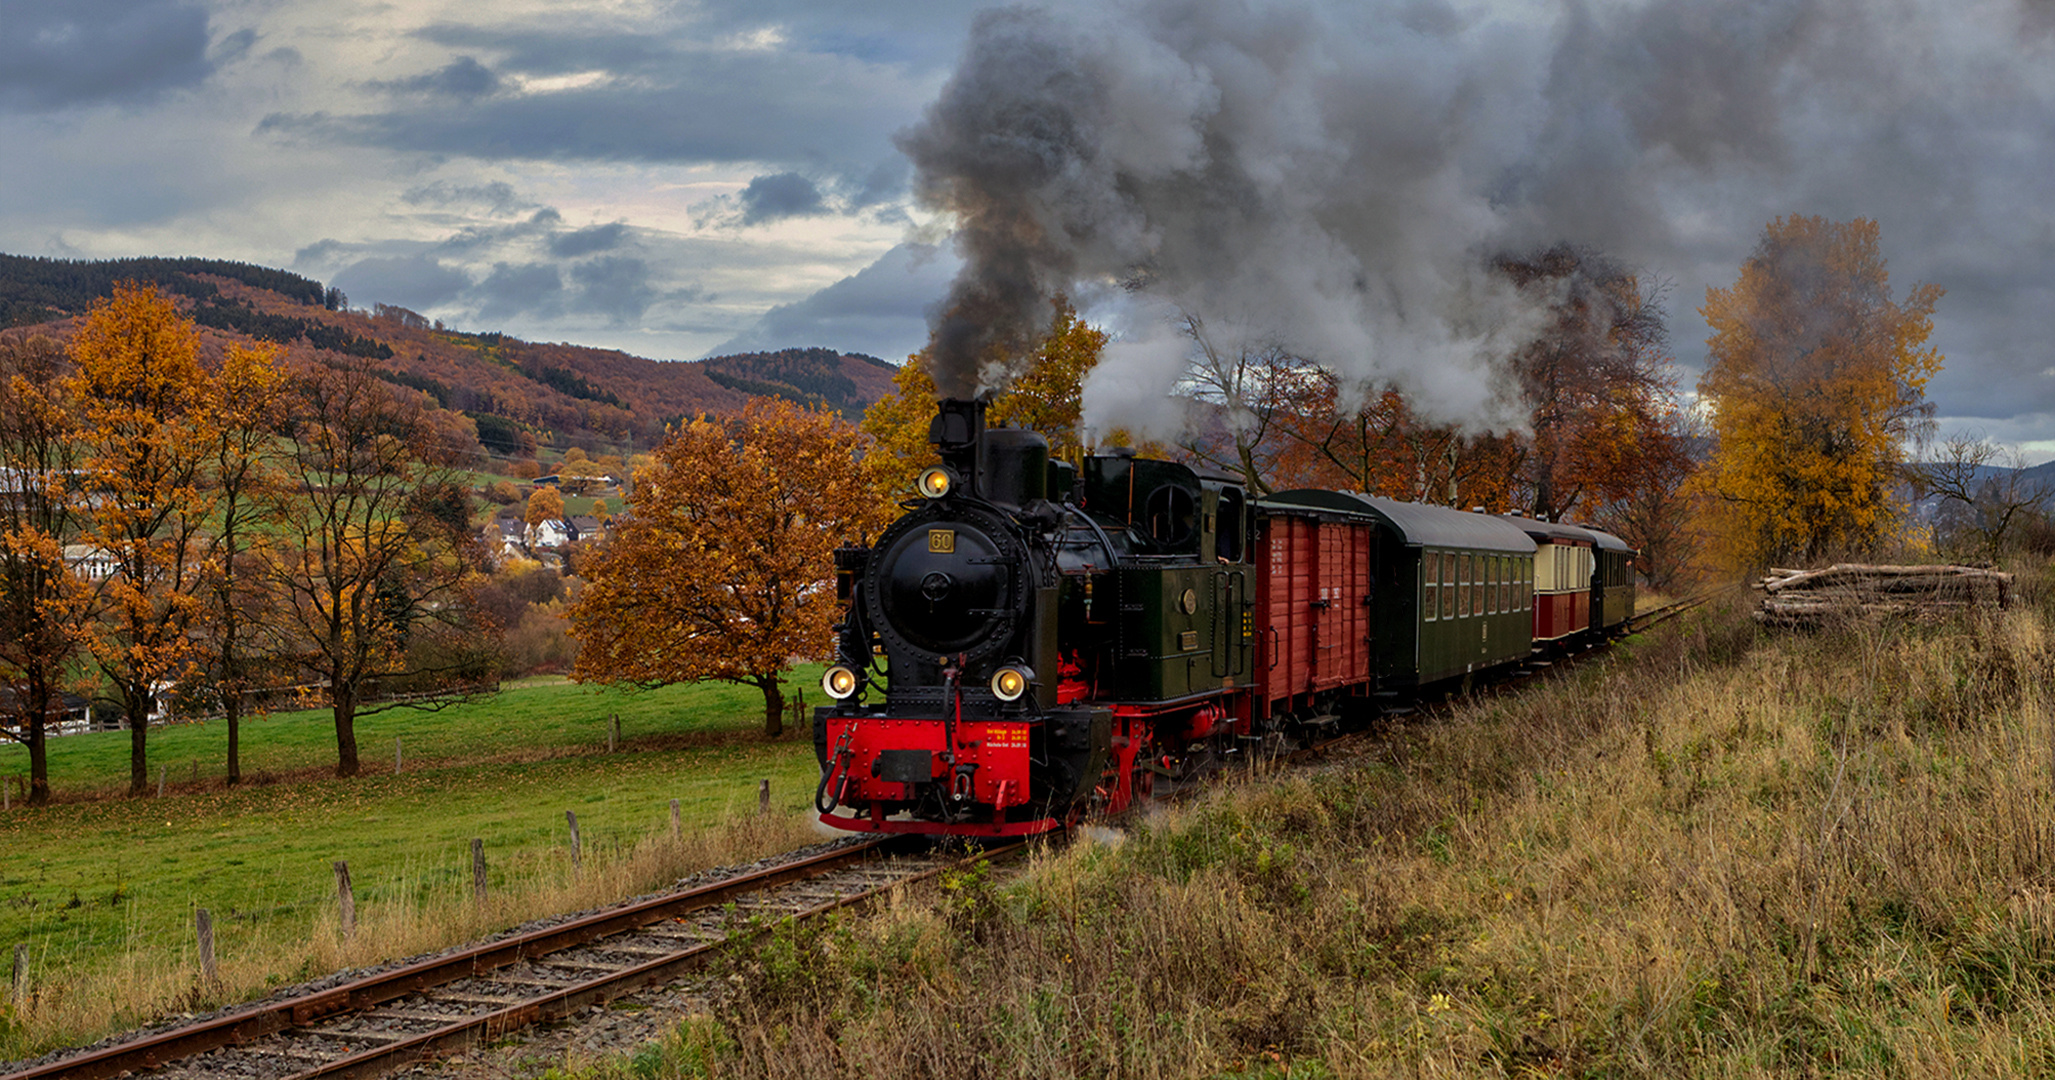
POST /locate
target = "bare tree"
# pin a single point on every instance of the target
(372, 558)
(1985, 491)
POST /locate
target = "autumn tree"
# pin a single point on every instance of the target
(372, 561)
(1595, 367)
(144, 432)
(245, 402)
(897, 425)
(1045, 396)
(1048, 394)
(1815, 377)
(544, 504)
(42, 605)
(721, 571)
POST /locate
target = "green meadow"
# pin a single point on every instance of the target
(102, 886)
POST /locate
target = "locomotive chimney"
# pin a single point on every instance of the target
(958, 435)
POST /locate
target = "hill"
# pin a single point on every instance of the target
(518, 394)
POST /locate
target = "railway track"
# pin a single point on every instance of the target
(468, 997)
(474, 995)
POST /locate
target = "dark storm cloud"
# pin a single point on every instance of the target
(87, 52)
(780, 195)
(464, 77)
(579, 242)
(880, 310)
(418, 282)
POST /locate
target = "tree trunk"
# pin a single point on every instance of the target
(773, 706)
(345, 733)
(36, 736)
(232, 709)
(136, 704)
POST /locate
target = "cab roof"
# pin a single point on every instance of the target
(1415, 524)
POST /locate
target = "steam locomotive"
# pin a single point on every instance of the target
(1035, 640)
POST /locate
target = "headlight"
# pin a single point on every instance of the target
(1008, 683)
(840, 682)
(935, 482)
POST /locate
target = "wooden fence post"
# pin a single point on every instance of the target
(7, 793)
(763, 798)
(572, 817)
(677, 823)
(613, 733)
(396, 755)
(21, 975)
(163, 771)
(196, 772)
(204, 923)
(478, 870)
(345, 900)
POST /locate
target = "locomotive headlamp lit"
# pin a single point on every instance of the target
(1008, 683)
(935, 482)
(840, 682)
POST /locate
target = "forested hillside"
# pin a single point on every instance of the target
(518, 394)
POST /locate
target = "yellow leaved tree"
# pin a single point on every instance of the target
(1044, 397)
(146, 435)
(1815, 378)
(722, 567)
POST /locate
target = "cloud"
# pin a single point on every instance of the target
(67, 53)
(528, 290)
(418, 282)
(464, 78)
(629, 97)
(614, 286)
(780, 195)
(498, 196)
(880, 310)
(571, 245)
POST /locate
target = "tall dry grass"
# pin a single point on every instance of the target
(428, 909)
(1714, 853)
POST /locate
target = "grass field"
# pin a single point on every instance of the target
(103, 887)
(1717, 852)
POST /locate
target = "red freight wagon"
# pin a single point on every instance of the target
(1562, 577)
(1313, 615)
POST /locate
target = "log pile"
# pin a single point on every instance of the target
(1807, 597)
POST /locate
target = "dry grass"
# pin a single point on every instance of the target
(429, 912)
(1712, 854)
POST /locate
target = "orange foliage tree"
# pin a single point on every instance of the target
(1046, 396)
(145, 429)
(722, 568)
(1816, 376)
(41, 603)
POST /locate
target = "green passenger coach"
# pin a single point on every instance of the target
(1449, 592)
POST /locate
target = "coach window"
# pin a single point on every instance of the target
(1429, 566)
(1463, 585)
(1448, 578)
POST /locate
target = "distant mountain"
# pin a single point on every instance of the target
(514, 391)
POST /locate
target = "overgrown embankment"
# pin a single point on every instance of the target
(1714, 852)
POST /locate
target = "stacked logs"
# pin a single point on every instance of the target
(1807, 597)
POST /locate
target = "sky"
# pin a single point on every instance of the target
(686, 179)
